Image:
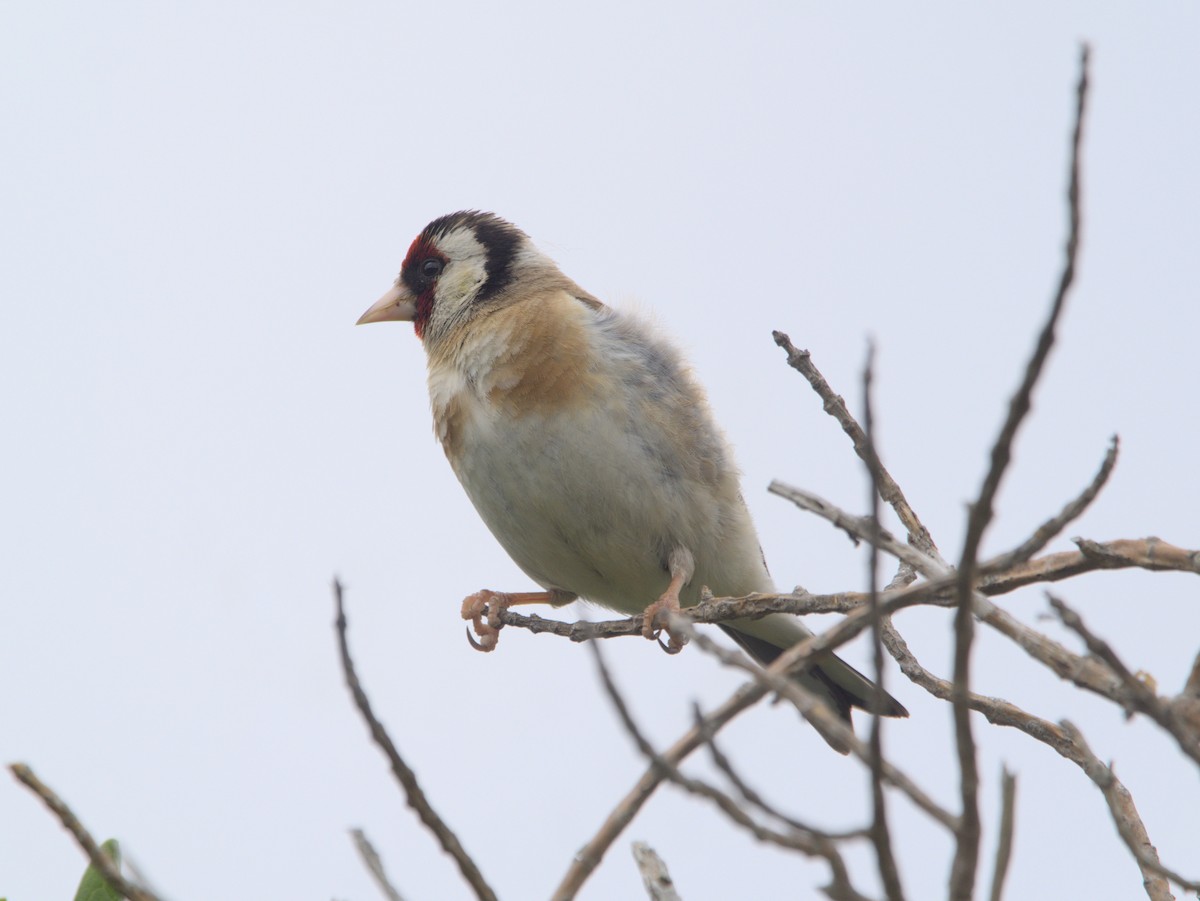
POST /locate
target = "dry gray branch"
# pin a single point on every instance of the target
(881, 838)
(1124, 553)
(1008, 805)
(1052, 528)
(403, 773)
(857, 527)
(966, 855)
(791, 660)
(1152, 554)
(813, 709)
(1134, 693)
(1127, 820)
(801, 361)
(808, 841)
(370, 857)
(1065, 740)
(655, 877)
(588, 858)
(751, 796)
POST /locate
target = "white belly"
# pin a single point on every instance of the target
(585, 503)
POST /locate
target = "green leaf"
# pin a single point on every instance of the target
(93, 886)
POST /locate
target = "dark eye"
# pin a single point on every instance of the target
(431, 268)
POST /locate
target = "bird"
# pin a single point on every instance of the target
(587, 446)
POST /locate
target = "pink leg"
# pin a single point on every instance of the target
(656, 618)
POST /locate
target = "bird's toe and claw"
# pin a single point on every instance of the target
(485, 611)
(657, 617)
(656, 620)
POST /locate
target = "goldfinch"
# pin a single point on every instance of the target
(586, 445)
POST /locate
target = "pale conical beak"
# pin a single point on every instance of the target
(395, 306)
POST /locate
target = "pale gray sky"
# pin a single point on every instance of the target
(198, 200)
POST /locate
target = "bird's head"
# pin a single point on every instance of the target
(460, 266)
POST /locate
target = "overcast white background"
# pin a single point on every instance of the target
(197, 202)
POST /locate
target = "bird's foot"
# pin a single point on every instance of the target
(657, 619)
(485, 610)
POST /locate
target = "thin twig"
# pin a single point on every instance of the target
(1021, 401)
(1137, 695)
(801, 361)
(99, 859)
(857, 527)
(881, 838)
(1124, 553)
(403, 773)
(1083, 672)
(813, 708)
(1191, 688)
(1008, 805)
(655, 877)
(751, 796)
(1151, 554)
(966, 855)
(1052, 527)
(374, 864)
(585, 862)
(1066, 741)
(799, 655)
(1127, 820)
(810, 842)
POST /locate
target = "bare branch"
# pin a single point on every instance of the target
(810, 842)
(1050, 529)
(99, 859)
(814, 710)
(585, 862)
(1008, 803)
(1127, 820)
(1146, 553)
(749, 794)
(1021, 402)
(1137, 695)
(655, 877)
(801, 361)
(966, 854)
(1124, 553)
(403, 773)
(881, 838)
(1065, 740)
(1082, 671)
(374, 864)
(1191, 688)
(857, 527)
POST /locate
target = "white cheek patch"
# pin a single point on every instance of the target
(463, 276)
(461, 281)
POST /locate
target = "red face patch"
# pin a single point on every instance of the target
(422, 286)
